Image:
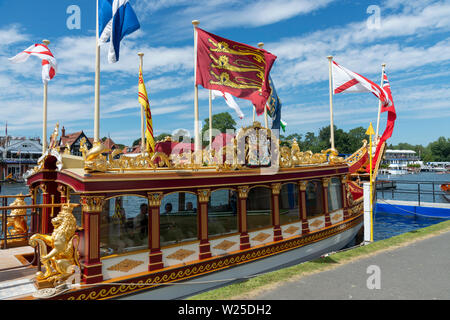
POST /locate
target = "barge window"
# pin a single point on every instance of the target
(259, 208)
(288, 203)
(222, 212)
(124, 225)
(178, 218)
(334, 195)
(314, 198)
(75, 198)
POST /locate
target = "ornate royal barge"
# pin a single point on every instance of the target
(129, 225)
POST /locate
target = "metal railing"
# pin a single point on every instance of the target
(420, 191)
(32, 217)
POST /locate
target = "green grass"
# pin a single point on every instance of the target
(268, 280)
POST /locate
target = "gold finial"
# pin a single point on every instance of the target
(140, 54)
(46, 42)
(261, 45)
(195, 23)
(383, 65)
(330, 57)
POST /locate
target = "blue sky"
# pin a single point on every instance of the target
(412, 38)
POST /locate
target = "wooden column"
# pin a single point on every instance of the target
(302, 205)
(277, 235)
(242, 216)
(45, 223)
(154, 242)
(202, 222)
(325, 184)
(92, 266)
(344, 196)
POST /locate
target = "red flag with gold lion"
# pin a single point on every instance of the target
(233, 67)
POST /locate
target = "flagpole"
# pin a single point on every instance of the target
(44, 111)
(210, 119)
(97, 84)
(197, 146)
(383, 66)
(141, 63)
(266, 122)
(330, 59)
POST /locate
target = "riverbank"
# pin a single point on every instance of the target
(255, 286)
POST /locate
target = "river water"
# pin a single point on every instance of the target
(386, 224)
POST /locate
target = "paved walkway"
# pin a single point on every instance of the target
(419, 271)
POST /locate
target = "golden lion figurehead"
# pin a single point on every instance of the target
(65, 221)
(60, 260)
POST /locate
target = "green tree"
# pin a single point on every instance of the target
(220, 121)
(440, 149)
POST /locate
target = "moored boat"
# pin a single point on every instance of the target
(150, 221)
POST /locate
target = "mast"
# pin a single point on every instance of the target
(210, 119)
(97, 83)
(44, 111)
(197, 145)
(330, 59)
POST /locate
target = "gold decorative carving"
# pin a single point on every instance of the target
(260, 237)
(203, 195)
(253, 146)
(125, 265)
(243, 192)
(154, 198)
(93, 158)
(61, 261)
(291, 229)
(336, 217)
(17, 220)
(92, 203)
(302, 185)
(316, 223)
(225, 245)
(358, 155)
(54, 137)
(276, 187)
(180, 254)
(326, 182)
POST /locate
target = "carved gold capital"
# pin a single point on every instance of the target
(302, 185)
(276, 187)
(154, 198)
(344, 178)
(243, 192)
(203, 195)
(326, 182)
(92, 203)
